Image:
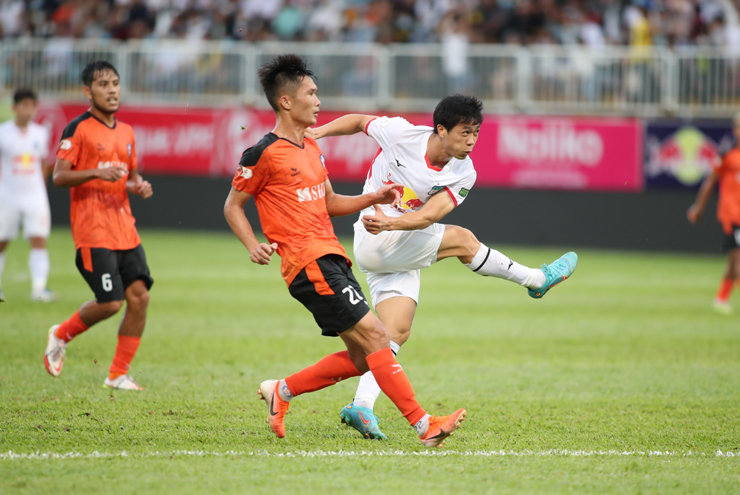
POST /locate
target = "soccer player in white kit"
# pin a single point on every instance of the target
(24, 145)
(393, 243)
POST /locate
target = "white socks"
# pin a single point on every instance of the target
(491, 263)
(368, 390)
(38, 264)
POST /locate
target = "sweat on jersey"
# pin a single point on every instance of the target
(21, 155)
(403, 159)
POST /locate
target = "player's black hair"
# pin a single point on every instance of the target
(94, 68)
(280, 72)
(458, 109)
(24, 93)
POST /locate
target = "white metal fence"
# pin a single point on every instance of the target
(540, 79)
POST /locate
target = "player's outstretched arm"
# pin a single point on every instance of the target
(696, 210)
(64, 176)
(137, 185)
(339, 205)
(260, 253)
(433, 211)
(343, 126)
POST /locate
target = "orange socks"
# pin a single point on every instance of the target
(330, 370)
(393, 381)
(724, 290)
(125, 352)
(71, 328)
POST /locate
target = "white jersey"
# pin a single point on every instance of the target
(403, 160)
(21, 154)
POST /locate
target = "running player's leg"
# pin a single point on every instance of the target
(36, 228)
(461, 243)
(137, 280)
(730, 277)
(370, 335)
(99, 268)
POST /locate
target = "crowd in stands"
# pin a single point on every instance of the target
(520, 22)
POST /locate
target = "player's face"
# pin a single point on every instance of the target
(105, 92)
(305, 107)
(25, 111)
(460, 140)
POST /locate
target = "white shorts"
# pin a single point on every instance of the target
(35, 216)
(392, 260)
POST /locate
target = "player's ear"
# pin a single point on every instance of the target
(441, 131)
(285, 102)
(87, 91)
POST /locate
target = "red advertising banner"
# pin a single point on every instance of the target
(560, 153)
(512, 152)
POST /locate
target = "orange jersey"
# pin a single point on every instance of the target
(287, 182)
(100, 211)
(728, 207)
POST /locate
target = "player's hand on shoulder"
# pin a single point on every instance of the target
(262, 254)
(312, 133)
(112, 174)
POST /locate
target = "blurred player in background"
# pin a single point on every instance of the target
(285, 173)
(97, 161)
(727, 172)
(394, 242)
(24, 146)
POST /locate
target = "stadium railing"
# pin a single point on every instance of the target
(687, 82)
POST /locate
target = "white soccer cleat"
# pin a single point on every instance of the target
(722, 307)
(123, 382)
(43, 295)
(56, 350)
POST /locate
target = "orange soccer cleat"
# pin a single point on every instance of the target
(442, 427)
(276, 407)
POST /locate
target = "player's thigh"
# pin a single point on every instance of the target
(10, 220)
(99, 268)
(37, 219)
(329, 290)
(397, 250)
(133, 267)
(395, 284)
(397, 314)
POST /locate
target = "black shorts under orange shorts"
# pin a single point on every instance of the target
(109, 272)
(329, 290)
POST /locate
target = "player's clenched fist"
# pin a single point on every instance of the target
(143, 189)
(112, 174)
(389, 194)
(262, 254)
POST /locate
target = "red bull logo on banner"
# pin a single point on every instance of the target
(687, 155)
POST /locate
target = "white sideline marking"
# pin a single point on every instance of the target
(10, 455)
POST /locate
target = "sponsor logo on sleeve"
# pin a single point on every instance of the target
(464, 192)
(65, 144)
(323, 161)
(128, 148)
(434, 190)
(245, 172)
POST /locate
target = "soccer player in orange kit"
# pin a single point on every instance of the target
(285, 173)
(727, 172)
(96, 159)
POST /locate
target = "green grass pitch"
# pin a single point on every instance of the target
(621, 380)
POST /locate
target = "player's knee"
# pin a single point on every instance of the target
(138, 301)
(400, 334)
(466, 241)
(108, 309)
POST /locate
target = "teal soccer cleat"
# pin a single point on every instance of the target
(363, 420)
(558, 271)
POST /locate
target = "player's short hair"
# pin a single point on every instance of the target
(282, 74)
(458, 109)
(95, 69)
(24, 94)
